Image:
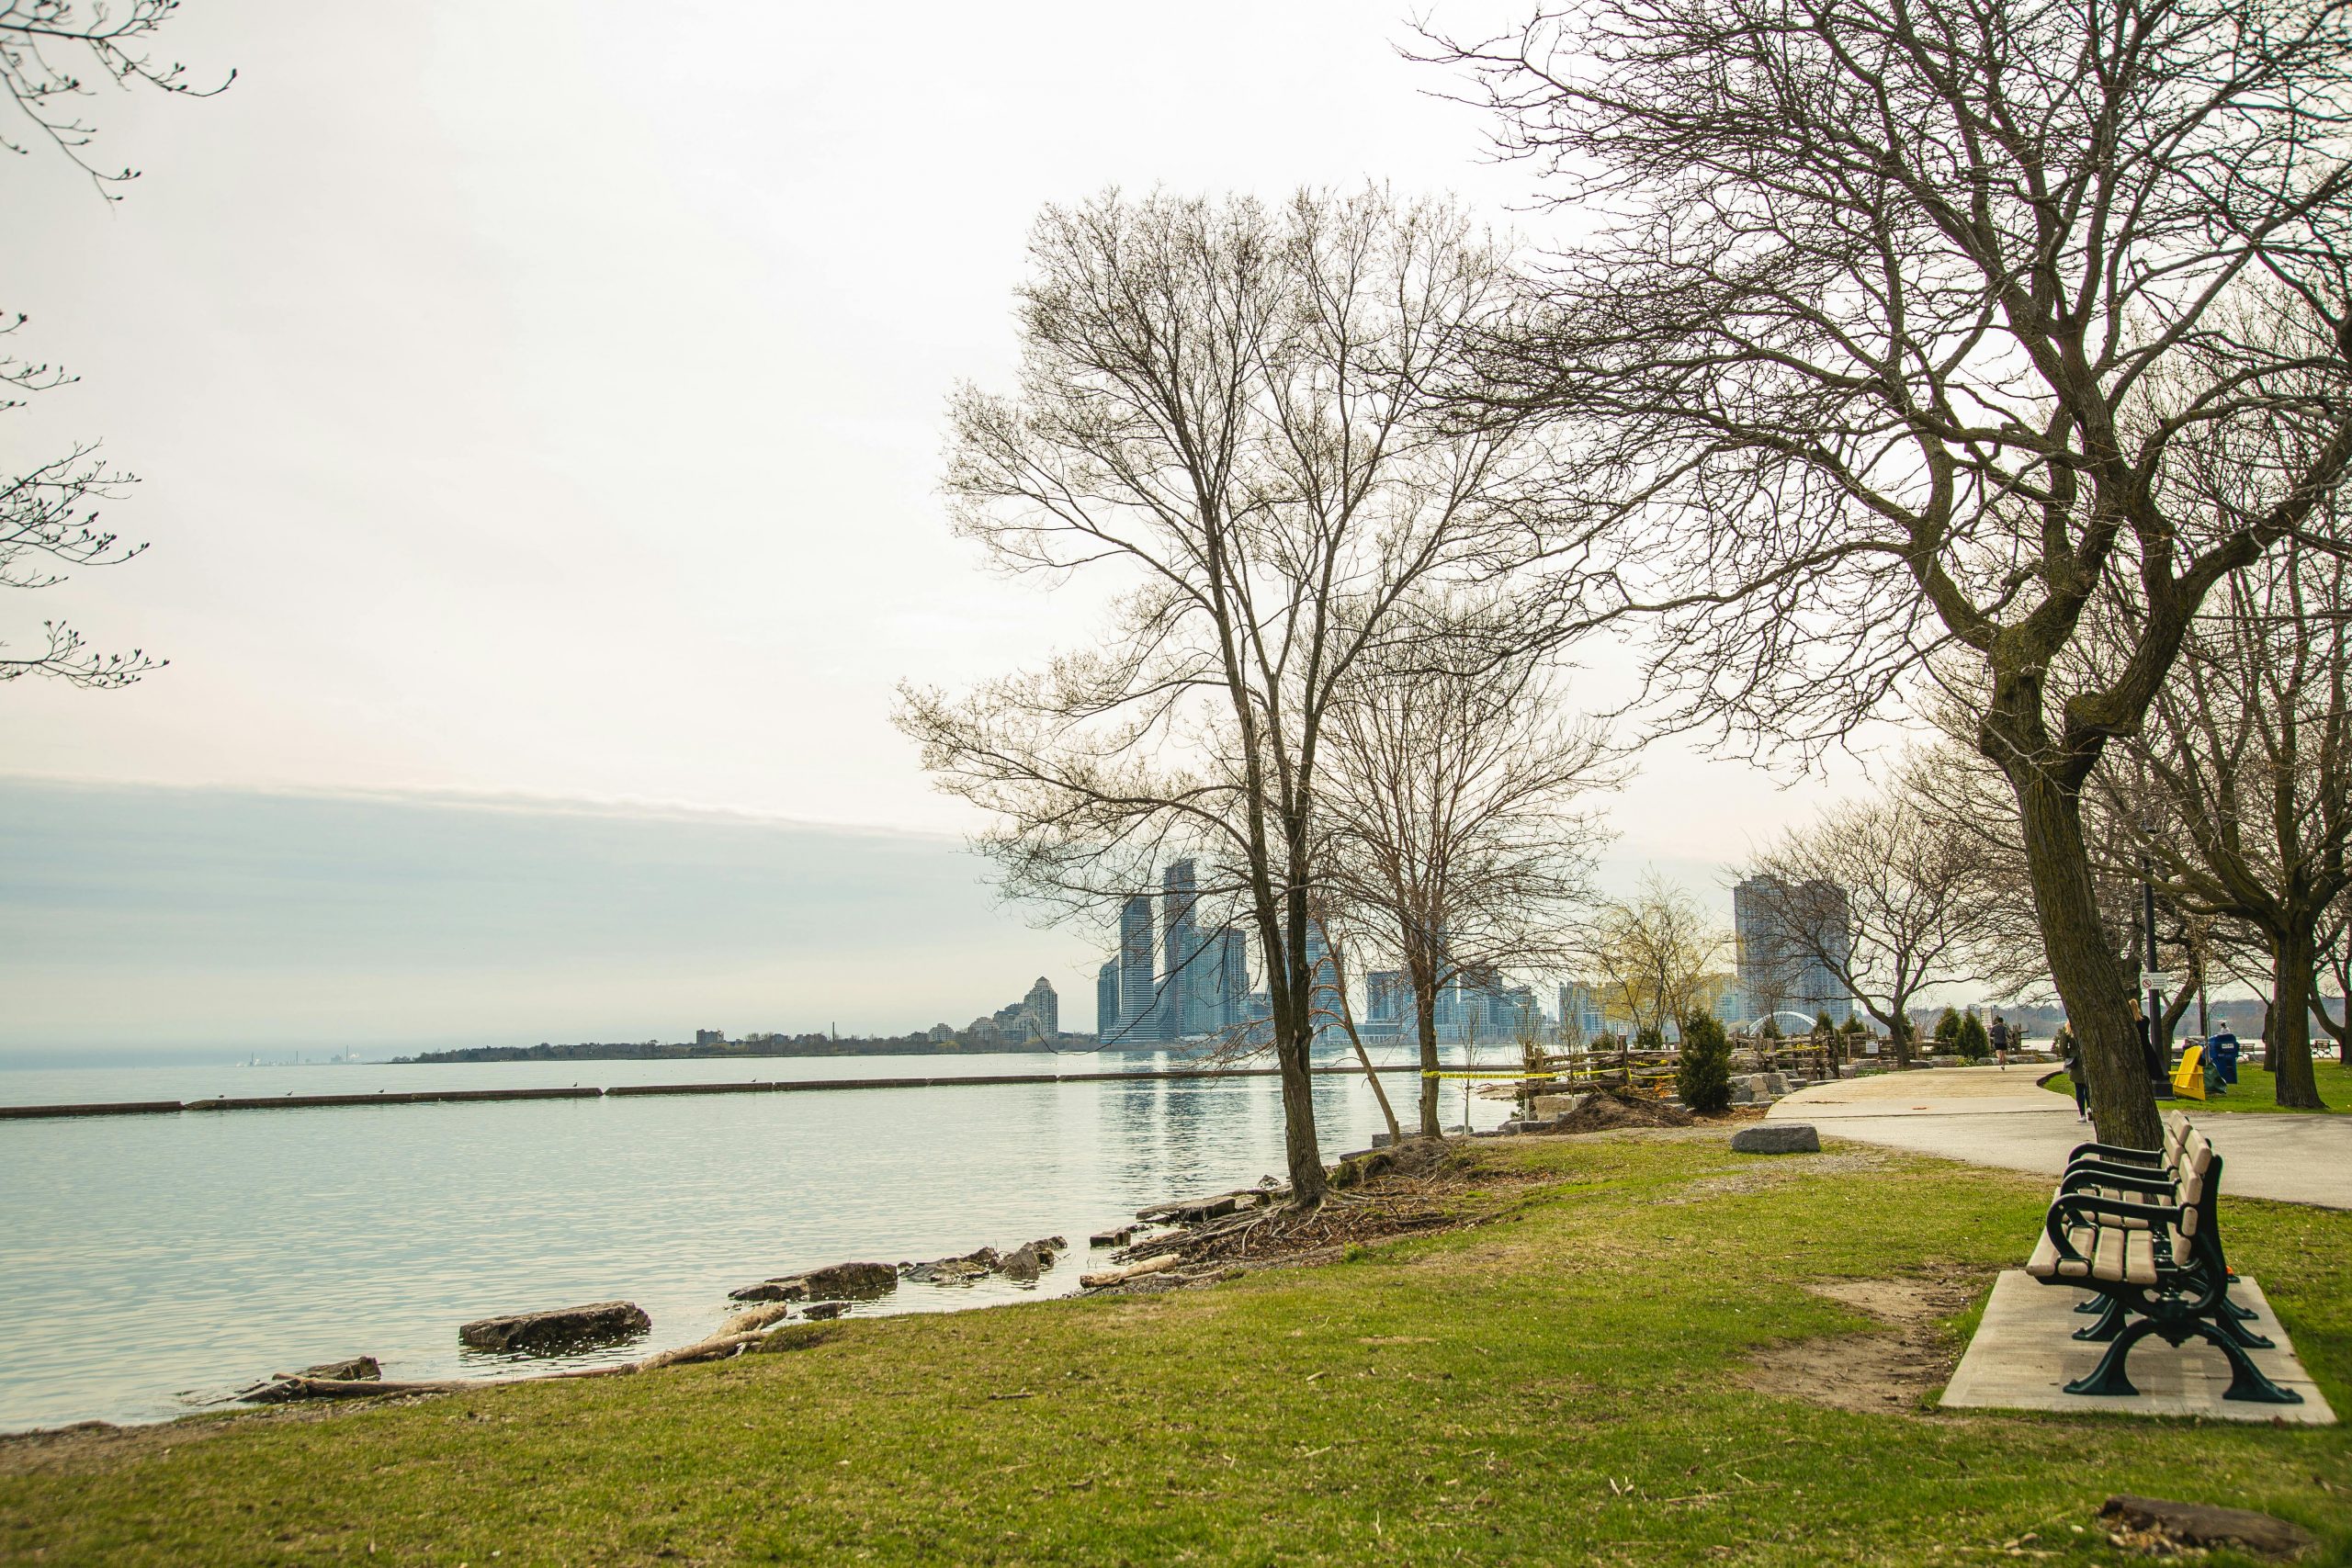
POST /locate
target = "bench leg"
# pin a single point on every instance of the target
(2234, 1329)
(2247, 1380)
(2110, 1322)
(2107, 1379)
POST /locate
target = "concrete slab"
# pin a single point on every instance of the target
(2025, 1353)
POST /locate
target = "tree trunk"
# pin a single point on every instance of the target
(1425, 1023)
(2123, 1104)
(1294, 1038)
(2287, 1035)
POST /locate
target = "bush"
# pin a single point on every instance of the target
(1972, 1042)
(1855, 1027)
(1822, 1024)
(1703, 1077)
(1648, 1038)
(1948, 1030)
(1771, 1029)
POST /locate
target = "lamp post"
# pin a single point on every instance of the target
(2159, 1041)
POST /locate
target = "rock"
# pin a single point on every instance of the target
(1027, 1262)
(960, 1270)
(1381, 1139)
(358, 1368)
(1777, 1138)
(816, 1312)
(557, 1330)
(2197, 1524)
(792, 1288)
(1118, 1237)
(850, 1281)
(1187, 1211)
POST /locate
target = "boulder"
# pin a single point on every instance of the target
(960, 1270)
(1117, 1236)
(1777, 1138)
(850, 1281)
(558, 1330)
(791, 1288)
(816, 1312)
(358, 1368)
(1026, 1262)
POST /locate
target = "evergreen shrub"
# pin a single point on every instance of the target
(1973, 1043)
(1703, 1075)
(1948, 1031)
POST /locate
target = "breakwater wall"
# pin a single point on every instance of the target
(783, 1086)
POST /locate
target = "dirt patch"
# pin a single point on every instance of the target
(1893, 1369)
(1609, 1110)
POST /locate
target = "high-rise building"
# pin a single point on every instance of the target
(1778, 973)
(1227, 975)
(1106, 1001)
(1139, 1012)
(1580, 1010)
(1046, 1005)
(1184, 999)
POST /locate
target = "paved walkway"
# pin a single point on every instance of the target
(1986, 1116)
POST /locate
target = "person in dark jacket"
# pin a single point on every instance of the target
(2070, 1051)
(2000, 1034)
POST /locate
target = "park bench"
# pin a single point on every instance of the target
(2141, 1229)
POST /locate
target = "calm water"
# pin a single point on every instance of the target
(149, 1265)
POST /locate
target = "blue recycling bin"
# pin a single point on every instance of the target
(2223, 1049)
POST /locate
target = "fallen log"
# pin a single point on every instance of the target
(1152, 1266)
(285, 1390)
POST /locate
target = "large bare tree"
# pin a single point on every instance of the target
(1221, 414)
(2244, 779)
(1902, 334)
(1454, 793)
(1884, 899)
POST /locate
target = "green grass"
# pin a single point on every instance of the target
(1556, 1385)
(2257, 1091)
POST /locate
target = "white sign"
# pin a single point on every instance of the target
(2156, 979)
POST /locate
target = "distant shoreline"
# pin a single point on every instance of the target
(649, 1051)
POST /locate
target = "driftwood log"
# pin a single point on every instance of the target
(283, 1390)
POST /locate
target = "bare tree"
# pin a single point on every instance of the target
(50, 514)
(1453, 794)
(1903, 334)
(1653, 953)
(1221, 410)
(2336, 964)
(1884, 899)
(2245, 775)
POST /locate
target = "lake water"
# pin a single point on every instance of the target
(153, 1265)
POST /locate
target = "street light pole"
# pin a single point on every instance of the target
(2159, 1041)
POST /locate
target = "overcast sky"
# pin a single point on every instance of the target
(542, 402)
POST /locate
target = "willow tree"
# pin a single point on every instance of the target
(1902, 334)
(1220, 417)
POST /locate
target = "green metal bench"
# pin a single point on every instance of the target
(2141, 1229)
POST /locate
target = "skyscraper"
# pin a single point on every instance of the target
(1227, 975)
(1106, 1001)
(1777, 971)
(1323, 989)
(1183, 991)
(1138, 1015)
(1046, 1005)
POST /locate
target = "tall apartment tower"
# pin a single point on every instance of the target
(1776, 972)
(1047, 1007)
(1138, 1014)
(1106, 1001)
(1182, 995)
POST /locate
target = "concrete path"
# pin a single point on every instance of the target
(1986, 1116)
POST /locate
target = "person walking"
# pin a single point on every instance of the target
(2000, 1043)
(2070, 1051)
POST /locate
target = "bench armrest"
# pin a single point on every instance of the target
(2118, 1152)
(2093, 1209)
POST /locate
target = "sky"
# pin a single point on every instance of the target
(539, 413)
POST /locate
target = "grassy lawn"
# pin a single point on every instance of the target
(2255, 1090)
(1558, 1384)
